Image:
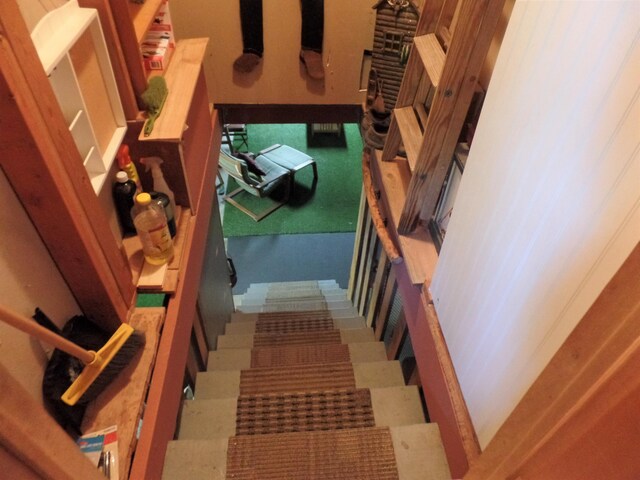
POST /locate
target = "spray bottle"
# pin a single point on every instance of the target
(160, 184)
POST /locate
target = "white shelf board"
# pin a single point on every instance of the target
(59, 30)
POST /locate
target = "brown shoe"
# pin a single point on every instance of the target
(313, 63)
(247, 62)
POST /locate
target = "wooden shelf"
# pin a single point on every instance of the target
(122, 403)
(181, 76)
(432, 56)
(142, 14)
(418, 250)
(410, 132)
(163, 278)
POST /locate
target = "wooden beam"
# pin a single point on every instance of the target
(477, 20)
(30, 435)
(568, 394)
(429, 16)
(44, 167)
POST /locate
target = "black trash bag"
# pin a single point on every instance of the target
(63, 369)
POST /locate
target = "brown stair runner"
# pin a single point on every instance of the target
(299, 355)
(359, 454)
(299, 378)
(304, 411)
(289, 325)
(297, 338)
(303, 314)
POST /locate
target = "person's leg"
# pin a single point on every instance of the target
(312, 36)
(312, 24)
(252, 39)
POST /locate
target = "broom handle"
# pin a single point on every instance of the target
(41, 333)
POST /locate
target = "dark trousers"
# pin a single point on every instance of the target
(312, 25)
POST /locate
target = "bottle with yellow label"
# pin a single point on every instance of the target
(152, 229)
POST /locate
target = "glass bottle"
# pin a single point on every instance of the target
(152, 228)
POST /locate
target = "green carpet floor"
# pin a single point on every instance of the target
(331, 207)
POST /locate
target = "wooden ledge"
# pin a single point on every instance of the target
(418, 250)
(163, 279)
(122, 403)
(181, 76)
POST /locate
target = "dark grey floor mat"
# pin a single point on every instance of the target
(282, 258)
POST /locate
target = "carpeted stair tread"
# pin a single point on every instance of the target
(227, 383)
(418, 452)
(302, 412)
(307, 297)
(291, 325)
(293, 284)
(360, 454)
(299, 355)
(294, 293)
(260, 414)
(297, 378)
(298, 306)
(250, 340)
(254, 316)
(239, 358)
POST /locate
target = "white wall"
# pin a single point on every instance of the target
(28, 279)
(280, 79)
(549, 205)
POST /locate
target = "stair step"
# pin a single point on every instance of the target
(432, 56)
(239, 358)
(249, 340)
(295, 412)
(410, 132)
(306, 314)
(408, 452)
(294, 292)
(231, 383)
(293, 285)
(298, 306)
(262, 300)
(294, 325)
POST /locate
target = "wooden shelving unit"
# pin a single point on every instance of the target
(142, 15)
(437, 88)
(132, 22)
(418, 250)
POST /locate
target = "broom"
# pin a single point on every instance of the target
(100, 368)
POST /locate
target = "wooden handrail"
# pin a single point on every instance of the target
(383, 234)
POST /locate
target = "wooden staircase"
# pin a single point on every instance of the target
(299, 389)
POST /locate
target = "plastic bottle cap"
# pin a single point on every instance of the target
(143, 199)
(122, 177)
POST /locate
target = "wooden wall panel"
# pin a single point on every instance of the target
(280, 79)
(549, 205)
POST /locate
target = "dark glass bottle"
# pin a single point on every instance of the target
(162, 199)
(124, 192)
